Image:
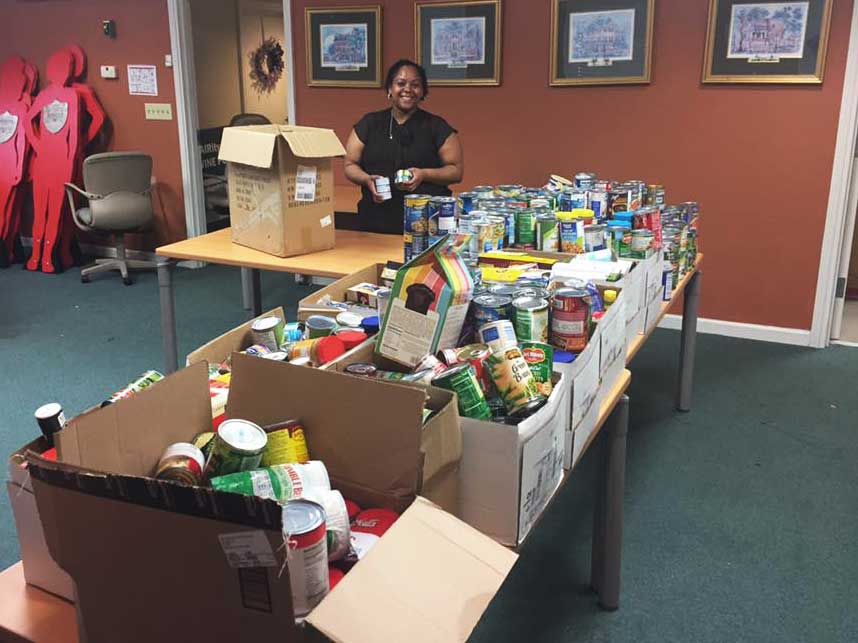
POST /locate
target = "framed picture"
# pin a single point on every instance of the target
(601, 42)
(766, 42)
(343, 46)
(459, 43)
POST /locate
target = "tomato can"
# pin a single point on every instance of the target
(570, 321)
(540, 358)
(181, 462)
(531, 319)
(461, 379)
(305, 533)
(286, 444)
(498, 335)
(477, 356)
(237, 446)
(514, 380)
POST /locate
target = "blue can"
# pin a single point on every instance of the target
(416, 214)
(466, 201)
(490, 308)
(598, 202)
(572, 200)
(443, 209)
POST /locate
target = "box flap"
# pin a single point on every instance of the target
(128, 437)
(365, 431)
(430, 578)
(231, 341)
(312, 142)
(249, 145)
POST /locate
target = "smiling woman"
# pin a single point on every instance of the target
(402, 137)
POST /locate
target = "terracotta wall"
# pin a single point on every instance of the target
(758, 158)
(36, 29)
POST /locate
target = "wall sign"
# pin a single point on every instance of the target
(142, 80)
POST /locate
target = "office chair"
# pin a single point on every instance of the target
(117, 186)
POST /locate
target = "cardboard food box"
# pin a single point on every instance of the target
(281, 187)
(40, 569)
(149, 558)
(584, 382)
(614, 343)
(232, 341)
(428, 305)
(377, 273)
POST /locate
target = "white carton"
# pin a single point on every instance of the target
(612, 356)
(508, 473)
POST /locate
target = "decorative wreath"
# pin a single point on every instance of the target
(266, 65)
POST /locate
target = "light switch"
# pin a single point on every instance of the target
(159, 112)
(168, 60)
(108, 71)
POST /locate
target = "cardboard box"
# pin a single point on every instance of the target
(281, 187)
(612, 353)
(232, 341)
(577, 439)
(428, 305)
(40, 570)
(653, 313)
(146, 556)
(336, 291)
(584, 374)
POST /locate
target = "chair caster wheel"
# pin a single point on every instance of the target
(127, 281)
(84, 279)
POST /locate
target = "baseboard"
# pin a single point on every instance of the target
(793, 336)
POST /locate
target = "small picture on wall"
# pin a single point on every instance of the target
(766, 42)
(459, 43)
(605, 36)
(343, 46)
(601, 42)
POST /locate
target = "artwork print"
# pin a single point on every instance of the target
(768, 31)
(604, 36)
(458, 42)
(344, 46)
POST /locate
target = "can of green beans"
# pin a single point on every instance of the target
(461, 379)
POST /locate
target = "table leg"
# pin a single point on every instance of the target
(168, 316)
(597, 553)
(253, 279)
(688, 343)
(245, 289)
(611, 492)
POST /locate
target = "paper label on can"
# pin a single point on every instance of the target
(305, 183)
(247, 549)
(261, 483)
(568, 327)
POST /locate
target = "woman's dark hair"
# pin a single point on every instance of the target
(404, 62)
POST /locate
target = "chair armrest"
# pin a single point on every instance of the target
(88, 195)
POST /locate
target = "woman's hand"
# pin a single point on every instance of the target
(370, 184)
(417, 177)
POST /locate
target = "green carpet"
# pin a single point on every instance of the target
(740, 517)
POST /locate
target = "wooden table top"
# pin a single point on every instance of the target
(353, 251)
(29, 614)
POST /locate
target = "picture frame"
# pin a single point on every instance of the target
(601, 42)
(767, 42)
(459, 43)
(343, 46)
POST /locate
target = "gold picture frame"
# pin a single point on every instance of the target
(440, 74)
(322, 74)
(555, 78)
(710, 76)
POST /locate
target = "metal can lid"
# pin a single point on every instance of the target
(300, 361)
(473, 351)
(48, 410)
(302, 517)
(320, 322)
(352, 320)
(563, 293)
(187, 450)
(492, 301)
(530, 303)
(243, 435)
(505, 290)
(362, 368)
(264, 324)
(452, 371)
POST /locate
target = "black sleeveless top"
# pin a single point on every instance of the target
(413, 144)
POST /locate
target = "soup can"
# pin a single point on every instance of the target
(286, 444)
(509, 226)
(237, 446)
(461, 379)
(305, 534)
(181, 462)
(419, 244)
(547, 239)
(531, 319)
(337, 531)
(268, 331)
(416, 209)
(364, 369)
(525, 228)
(498, 335)
(50, 419)
(490, 203)
(594, 237)
(530, 291)
(382, 186)
(504, 290)
(655, 195)
(465, 202)
(402, 177)
(514, 380)
(570, 320)
(540, 358)
(573, 199)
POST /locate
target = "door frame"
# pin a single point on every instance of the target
(838, 219)
(187, 118)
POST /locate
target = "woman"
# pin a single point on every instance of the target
(401, 137)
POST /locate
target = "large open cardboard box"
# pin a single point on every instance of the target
(281, 187)
(232, 341)
(146, 557)
(309, 305)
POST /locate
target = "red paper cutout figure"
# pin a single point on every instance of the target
(61, 109)
(18, 79)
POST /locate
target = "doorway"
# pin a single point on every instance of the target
(845, 326)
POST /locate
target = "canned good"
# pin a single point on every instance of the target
(319, 351)
(403, 176)
(446, 213)
(319, 326)
(484, 191)
(364, 369)
(547, 238)
(477, 355)
(490, 308)
(462, 380)
(416, 210)
(572, 200)
(618, 200)
(280, 482)
(432, 363)
(594, 237)
(570, 320)
(258, 350)
(570, 233)
(585, 180)
(498, 335)
(510, 190)
(525, 228)
(465, 202)
(203, 441)
(513, 380)
(268, 332)
(531, 319)
(655, 195)
(690, 210)
(503, 290)
(598, 203)
(144, 380)
(50, 419)
(485, 235)
(336, 522)
(641, 245)
(237, 446)
(530, 291)
(382, 187)
(305, 534)
(286, 444)
(181, 462)
(619, 239)
(540, 358)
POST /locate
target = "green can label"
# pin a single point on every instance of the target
(462, 380)
(513, 378)
(540, 358)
